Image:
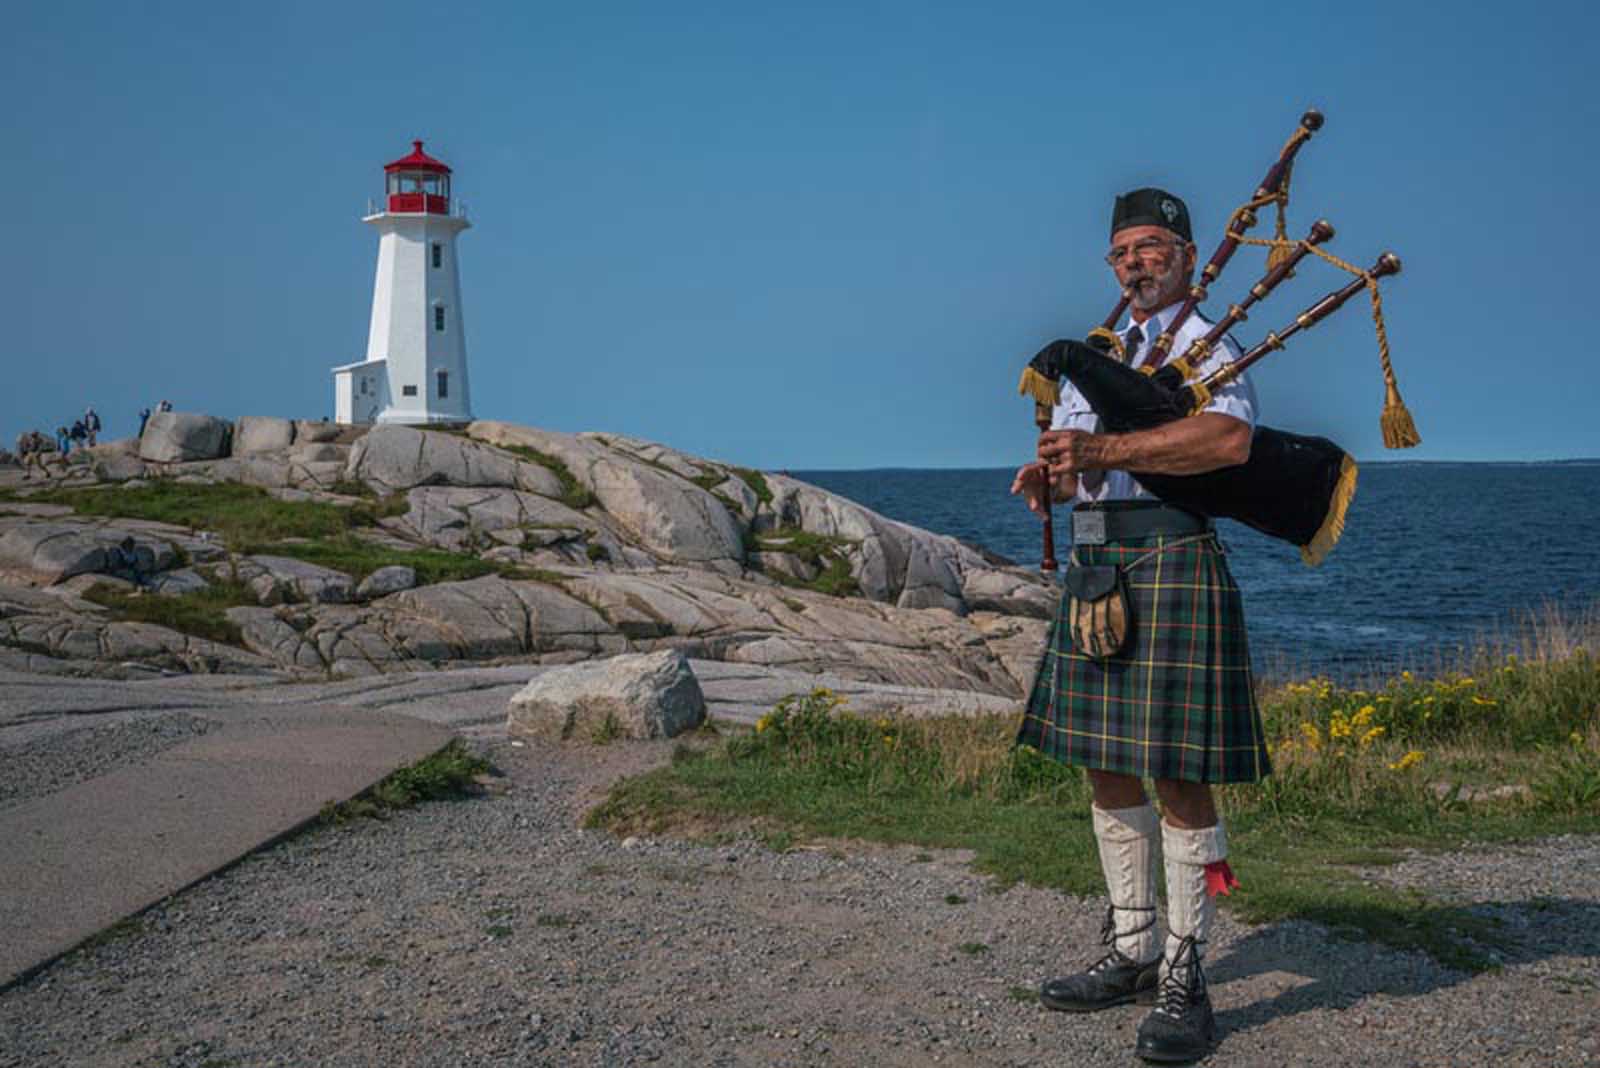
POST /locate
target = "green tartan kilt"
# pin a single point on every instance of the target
(1179, 701)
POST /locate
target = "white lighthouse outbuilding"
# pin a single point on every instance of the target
(416, 365)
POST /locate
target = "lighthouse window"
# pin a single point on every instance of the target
(438, 254)
(444, 383)
(438, 318)
(408, 391)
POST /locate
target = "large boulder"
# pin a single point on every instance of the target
(279, 579)
(392, 458)
(668, 515)
(386, 580)
(259, 433)
(640, 695)
(178, 437)
(306, 431)
(54, 551)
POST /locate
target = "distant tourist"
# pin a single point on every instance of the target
(31, 446)
(63, 440)
(79, 434)
(91, 423)
(144, 417)
(164, 406)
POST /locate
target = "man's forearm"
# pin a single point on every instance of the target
(1183, 447)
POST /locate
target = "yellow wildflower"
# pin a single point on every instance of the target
(1372, 735)
(1339, 726)
(763, 723)
(1363, 716)
(1481, 700)
(1406, 675)
(1411, 759)
(1313, 736)
(1575, 738)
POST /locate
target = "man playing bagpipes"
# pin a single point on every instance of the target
(1175, 703)
(1151, 430)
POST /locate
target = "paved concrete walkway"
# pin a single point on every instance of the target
(76, 860)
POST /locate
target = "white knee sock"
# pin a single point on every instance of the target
(1191, 907)
(1127, 838)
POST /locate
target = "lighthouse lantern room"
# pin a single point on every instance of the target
(416, 365)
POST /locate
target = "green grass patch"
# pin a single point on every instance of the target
(757, 483)
(573, 493)
(445, 775)
(710, 480)
(824, 551)
(247, 517)
(1345, 796)
(359, 558)
(201, 614)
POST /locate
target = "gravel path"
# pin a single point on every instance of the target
(494, 932)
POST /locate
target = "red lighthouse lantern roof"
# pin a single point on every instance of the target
(417, 161)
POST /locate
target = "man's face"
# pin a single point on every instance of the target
(1155, 263)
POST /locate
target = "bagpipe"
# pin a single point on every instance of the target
(1293, 487)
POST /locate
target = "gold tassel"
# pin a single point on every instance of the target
(1399, 429)
(1041, 389)
(1279, 255)
(1117, 348)
(1327, 537)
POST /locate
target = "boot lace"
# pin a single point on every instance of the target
(1109, 935)
(1184, 983)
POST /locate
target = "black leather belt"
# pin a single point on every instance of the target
(1097, 524)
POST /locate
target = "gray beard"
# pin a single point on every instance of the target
(1167, 288)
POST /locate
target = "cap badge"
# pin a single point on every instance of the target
(1170, 210)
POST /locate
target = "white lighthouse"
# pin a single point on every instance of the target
(416, 365)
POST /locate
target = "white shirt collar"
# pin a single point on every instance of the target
(1158, 321)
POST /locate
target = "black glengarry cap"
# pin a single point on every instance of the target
(1151, 207)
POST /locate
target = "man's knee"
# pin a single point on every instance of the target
(1186, 804)
(1112, 791)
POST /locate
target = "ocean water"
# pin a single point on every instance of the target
(1435, 558)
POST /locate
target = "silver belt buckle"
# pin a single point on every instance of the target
(1088, 527)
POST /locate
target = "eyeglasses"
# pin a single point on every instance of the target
(1151, 248)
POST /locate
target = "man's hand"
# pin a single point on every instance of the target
(1034, 480)
(1068, 452)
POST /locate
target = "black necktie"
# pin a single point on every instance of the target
(1090, 481)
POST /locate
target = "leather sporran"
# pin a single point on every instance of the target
(1098, 614)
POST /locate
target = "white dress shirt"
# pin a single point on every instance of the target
(1237, 398)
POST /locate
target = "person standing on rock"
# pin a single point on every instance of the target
(30, 451)
(91, 423)
(1175, 703)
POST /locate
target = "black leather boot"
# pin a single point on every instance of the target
(1112, 980)
(1181, 1027)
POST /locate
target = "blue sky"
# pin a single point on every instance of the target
(792, 235)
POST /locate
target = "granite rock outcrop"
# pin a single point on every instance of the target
(487, 544)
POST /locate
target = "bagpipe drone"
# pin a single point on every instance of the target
(1292, 487)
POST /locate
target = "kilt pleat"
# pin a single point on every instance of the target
(1179, 701)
